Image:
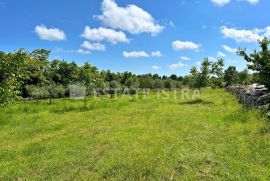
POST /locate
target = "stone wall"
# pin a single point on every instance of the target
(252, 96)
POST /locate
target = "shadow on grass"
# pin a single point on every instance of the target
(197, 101)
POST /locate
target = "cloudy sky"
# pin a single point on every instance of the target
(153, 36)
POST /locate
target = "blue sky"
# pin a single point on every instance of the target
(163, 37)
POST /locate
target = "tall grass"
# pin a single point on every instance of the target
(134, 138)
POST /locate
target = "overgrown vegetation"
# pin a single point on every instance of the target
(129, 138)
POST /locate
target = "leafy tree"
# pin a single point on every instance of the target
(44, 92)
(231, 75)
(132, 84)
(125, 76)
(187, 80)
(244, 77)
(156, 76)
(90, 78)
(37, 92)
(205, 73)
(260, 61)
(146, 81)
(69, 72)
(168, 84)
(12, 72)
(217, 71)
(201, 78)
(158, 84)
(114, 87)
(41, 54)
(36, 69)
(173, 77)
(194, 78)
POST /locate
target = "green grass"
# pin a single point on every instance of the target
(134, 139)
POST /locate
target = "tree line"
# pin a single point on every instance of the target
(31, 75)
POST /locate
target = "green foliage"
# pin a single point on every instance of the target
(90, 77)
(168, 84)
(259, 61)
(146, 82)
(244, 77)
(217, 71)
(200, 79)
(231, 75)
(12, 69)
(43, 92)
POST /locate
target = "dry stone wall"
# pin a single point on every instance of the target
(252, 96)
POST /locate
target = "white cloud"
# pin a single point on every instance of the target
(212, 58)
(220, 54)
(100, 34)
(93, 46)
(267, 32)
(81, 51)
(232, 61)
(155, 67)
(229, 49)
(50, 34)
(172, 24)
(156, 54)
(224, 2)
(184, 45)
(131, 18)
(177, 66)
(220, 2)
(184, 58)
(243, 35)
(139, 54)
(253, 1)
(135, 54)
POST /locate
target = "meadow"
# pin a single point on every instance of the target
(135, 138)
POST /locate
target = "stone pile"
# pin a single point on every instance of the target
(252, 96)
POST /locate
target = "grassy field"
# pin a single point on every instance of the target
(134, 139)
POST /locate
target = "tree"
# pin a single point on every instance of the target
(205, 73)
(230, 76)
(168, 84)
(173, 77)
(44, 92)
(217, 70)
(114, 87)
(146, 82)
(37, 66)
(90, 78)
(200, 79)
(12, 72)
(260, 61)
(132, 84)
(194, 78)
(158, 84)
(244, 77)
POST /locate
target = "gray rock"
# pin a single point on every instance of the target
(252, 96)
